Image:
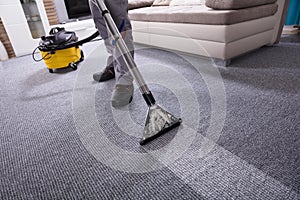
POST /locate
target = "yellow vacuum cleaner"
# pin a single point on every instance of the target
(62, 58)
(61, 49)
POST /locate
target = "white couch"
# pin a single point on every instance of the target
(205, 35)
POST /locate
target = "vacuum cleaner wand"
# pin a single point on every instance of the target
(158, 120)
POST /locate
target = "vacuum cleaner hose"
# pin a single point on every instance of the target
(69, 45)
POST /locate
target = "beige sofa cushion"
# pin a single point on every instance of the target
(200, 14)
(132, 4)
(161, 2)
(235, 4)
(186, 2)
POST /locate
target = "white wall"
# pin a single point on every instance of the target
(16, 26)
(61, 10)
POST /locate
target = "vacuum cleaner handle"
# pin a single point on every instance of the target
(123, 49)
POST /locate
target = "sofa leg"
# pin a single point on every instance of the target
(221, 63)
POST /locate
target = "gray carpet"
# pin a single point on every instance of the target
(60, 138)
(291, 38)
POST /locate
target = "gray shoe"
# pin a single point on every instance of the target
(107, 74)
(122, 95)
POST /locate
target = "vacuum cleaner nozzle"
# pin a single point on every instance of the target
(158, 122)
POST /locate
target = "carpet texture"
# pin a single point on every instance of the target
(61, 139)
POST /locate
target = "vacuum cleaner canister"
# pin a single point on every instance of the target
(60, 49)
(56, 59)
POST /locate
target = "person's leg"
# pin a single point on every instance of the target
(123, 91)
(108, 73)
(118, 11)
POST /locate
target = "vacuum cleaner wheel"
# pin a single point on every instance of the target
(73, 66)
